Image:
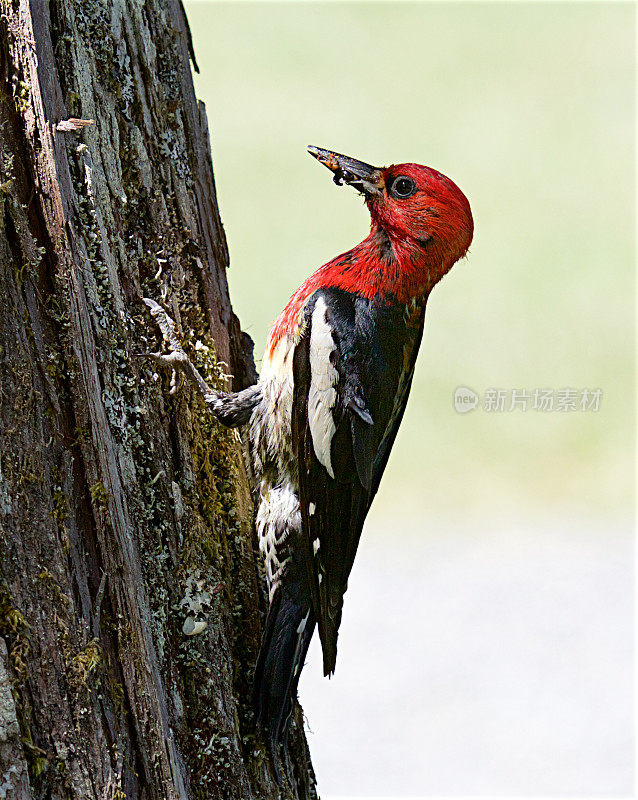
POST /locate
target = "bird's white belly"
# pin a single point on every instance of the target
(270, 423)
(278, 518)
(278, 515)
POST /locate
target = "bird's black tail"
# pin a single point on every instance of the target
(289, 628)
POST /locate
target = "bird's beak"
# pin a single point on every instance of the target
(366, 179)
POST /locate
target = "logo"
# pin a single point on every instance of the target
(465, 399)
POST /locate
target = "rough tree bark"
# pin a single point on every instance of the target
(130, 599)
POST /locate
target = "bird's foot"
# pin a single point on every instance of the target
(230, 409)
(176, 359)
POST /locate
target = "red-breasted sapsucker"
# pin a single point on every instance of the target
(323, 417)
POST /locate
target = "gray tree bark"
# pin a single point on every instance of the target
(130, 599)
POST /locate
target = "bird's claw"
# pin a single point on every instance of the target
(168, 328)
(176, 359)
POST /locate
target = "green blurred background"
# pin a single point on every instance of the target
(529, 107)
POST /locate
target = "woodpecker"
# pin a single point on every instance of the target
(325, 412)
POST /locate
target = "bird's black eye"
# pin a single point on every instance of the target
(402, 187)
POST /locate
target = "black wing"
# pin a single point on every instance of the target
(352, 371)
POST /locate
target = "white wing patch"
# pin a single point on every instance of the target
(323, 380)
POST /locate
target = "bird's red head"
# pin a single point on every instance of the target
(422, 211)
(418, 203)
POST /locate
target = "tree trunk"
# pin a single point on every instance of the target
(130, 598)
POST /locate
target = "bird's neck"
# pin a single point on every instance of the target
(387, 267)
(382, 268)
